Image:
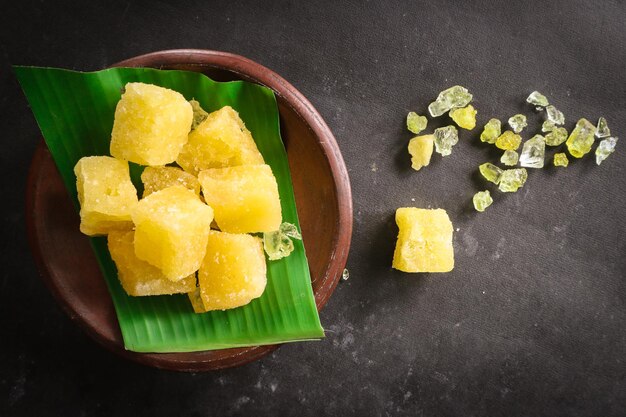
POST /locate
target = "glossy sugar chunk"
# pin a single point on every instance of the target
(491, 172)
(171, 231)
(508, 141)
(537, 99)
(518, 122)
(445, 138)
(105, 193)
(556, 137)
(605, 148)
(533, 152)
(602, 129)
(509, 158)
(416, 123)
(492, 131)
(199, 114)
(233, 272)
(421, 150)
(160, 177)
(221, 140)
(548, 126)
(151, 124)
(482, 200)
(554, 115)
(581, 139)
(245, 198)
(560, 160)
(139, 278)
(512, 180)
(424, 241)
(448, 99)
(279, 243)
(464, 117)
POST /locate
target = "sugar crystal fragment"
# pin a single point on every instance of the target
(548, 126)
(560, 160)
(602, 130)
(537, 99)
(464, 117)
(556, 137)
(508, 141)
(421, 150)
(605, 148)
(448, 99)
(580, 140)
(554, 115)
(518, 122)
(513, 179)
(533, 152)
(482, 200)
(509, 158)
(490, 172)
(416, 123)
(445, 138)
(492, 130)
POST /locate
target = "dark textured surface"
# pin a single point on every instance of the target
(531, 322)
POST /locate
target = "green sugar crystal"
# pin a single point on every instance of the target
(199, 114)
(602, 130)
(555, 115)
(278, 244)
(560, 160)
(492, 130)
(580, 140)
(416, 123)
(509, 158)
(449, 99)
(518, 122)
(605, 148)
(512, 180)
(464, 117)
(537, 99)
(482, 200)
(533, 152)
(548, 126)
(445, 138)
(491, 172)
(508, 141)
(556, 137)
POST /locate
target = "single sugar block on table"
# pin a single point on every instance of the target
(139, 278)
(171, 231)
(424, 241)
(105, 193)
(151, 124)
(233, 272)
(160, 177)
(221, 140)
(245, 198)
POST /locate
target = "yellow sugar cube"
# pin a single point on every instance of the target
(160, 177)
(245, 198)
(139, 278)
(233, 272)
(221, 140)
(105, 193)
(151, 124)
(424, 241)
(171, 231)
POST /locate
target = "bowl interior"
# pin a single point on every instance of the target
(321, 188)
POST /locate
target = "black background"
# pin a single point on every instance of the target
(531, 322)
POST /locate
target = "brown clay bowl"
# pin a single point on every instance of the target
(322, 189)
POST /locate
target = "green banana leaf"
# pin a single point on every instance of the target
(75, 113)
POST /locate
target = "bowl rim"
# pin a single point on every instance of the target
(248, 70)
